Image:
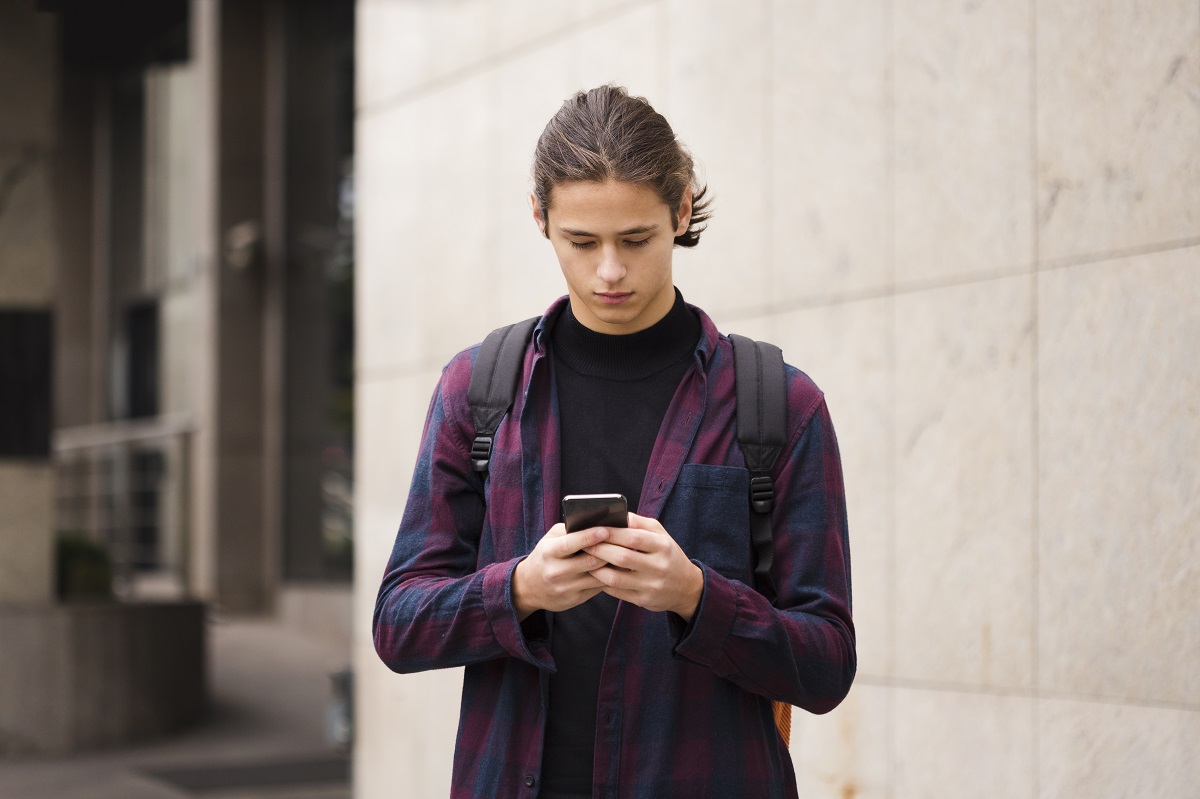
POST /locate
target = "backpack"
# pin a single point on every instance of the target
(761, 390)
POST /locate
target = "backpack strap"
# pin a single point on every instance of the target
(494, 379)
(762, 435)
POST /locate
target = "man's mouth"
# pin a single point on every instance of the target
(614, 297)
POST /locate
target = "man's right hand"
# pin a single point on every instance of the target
(557, 573)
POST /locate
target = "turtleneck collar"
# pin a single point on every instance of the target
(634, 356)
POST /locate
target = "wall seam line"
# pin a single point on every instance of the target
(1153, 248)
(1031, 692)
(498, 59)
(768, 140)
(1035, 407)
(889, 112)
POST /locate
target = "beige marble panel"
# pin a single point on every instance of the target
(375, 533)
(27, 244)
(26, 532)
(426, 240)
(963, 193)
(405, 726)
(964, 485)
(528, 91)
(1118, 126)
(764, 327)
(829, 145)
(393, 412)
(523, 22)
(1119, 430)
(969, 746)
(407, 45)
(717, 79)
(847, 752)
(388, 216)
(592, 9)
(1093, 750)
(624, 49)
(846, 350)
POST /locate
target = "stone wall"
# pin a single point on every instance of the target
(975, 225)
(96, 675)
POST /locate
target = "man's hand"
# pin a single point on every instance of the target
(557, 574)
(645, 566)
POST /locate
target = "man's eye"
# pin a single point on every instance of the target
(637, 242)
(582, 245)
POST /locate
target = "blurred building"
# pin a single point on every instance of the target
(975, 225)
(176, 278)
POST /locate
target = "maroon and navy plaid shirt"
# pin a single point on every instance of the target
(683, 711)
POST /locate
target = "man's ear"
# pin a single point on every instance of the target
(538, 216)
(685, 212)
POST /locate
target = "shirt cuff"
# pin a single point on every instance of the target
(703, 640)
(502, 614)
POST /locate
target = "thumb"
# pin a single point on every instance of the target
(643, 523)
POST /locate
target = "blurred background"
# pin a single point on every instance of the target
(176, 396)
(238, 240)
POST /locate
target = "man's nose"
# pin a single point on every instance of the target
(611, 270)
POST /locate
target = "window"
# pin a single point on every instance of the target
(25, 363)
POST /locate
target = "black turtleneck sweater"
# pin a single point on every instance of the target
(613, 392)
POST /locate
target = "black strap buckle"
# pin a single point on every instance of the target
(481, 453)
(762, 494)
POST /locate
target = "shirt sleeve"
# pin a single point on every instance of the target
(436, 608)
(802, 649)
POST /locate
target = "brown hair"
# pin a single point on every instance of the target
(605, 134)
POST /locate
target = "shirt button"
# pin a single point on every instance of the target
(529, 782)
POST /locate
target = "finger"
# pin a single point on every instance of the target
(566, 570)
(566, 586)
(623, 595)
(576, 583)
(584, 562)
(637, 539)
(572, 543)
(645, 523)
(608, 553)
(566, 599)
(611, 577)
(590, 592)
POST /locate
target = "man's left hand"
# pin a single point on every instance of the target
(647, 567)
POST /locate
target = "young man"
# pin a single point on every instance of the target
(637, 661)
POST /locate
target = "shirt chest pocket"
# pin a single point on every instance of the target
(708, 514)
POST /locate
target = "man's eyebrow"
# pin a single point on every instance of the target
(633, 231)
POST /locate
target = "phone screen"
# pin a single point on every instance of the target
(581, 511)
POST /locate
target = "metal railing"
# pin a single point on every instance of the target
(126, 485)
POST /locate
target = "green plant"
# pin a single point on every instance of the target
(83, 567)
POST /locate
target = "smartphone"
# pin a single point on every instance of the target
(581, 511)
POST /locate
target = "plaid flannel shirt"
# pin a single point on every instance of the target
(683, 710)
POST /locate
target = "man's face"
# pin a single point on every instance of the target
(614, 242)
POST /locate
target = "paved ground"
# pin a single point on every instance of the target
(265, 737)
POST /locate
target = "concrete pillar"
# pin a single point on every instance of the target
(78, 372)
(28, 251)
(235, 556)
